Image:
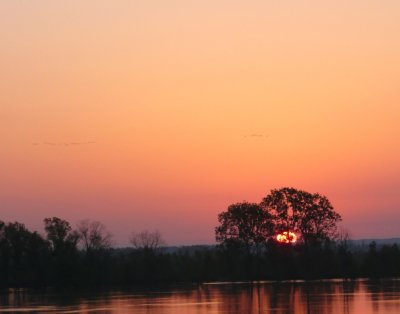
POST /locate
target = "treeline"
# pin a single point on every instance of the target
(81, 257)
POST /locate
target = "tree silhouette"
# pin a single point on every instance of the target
(22, 254)
(310, 215)
(64, 251)
(245, 224)
(93, 235)
(146, 240)
(95, 241)
(59, 233)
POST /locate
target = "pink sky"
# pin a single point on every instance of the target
(172, 110)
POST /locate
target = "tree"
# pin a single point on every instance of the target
(59, 233)
(312, 216)
(2, 224)
(246, 224)
(64, 264)
(93, 235)
(149, 241)
(22, 255)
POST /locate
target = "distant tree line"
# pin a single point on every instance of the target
(247, 250)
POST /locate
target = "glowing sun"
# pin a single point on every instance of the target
(286, 237)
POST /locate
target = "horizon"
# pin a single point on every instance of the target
(143, 115)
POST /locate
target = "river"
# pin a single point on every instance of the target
(331, 296)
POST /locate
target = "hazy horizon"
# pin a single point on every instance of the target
(158, 115)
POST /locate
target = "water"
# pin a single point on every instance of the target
(335, 296)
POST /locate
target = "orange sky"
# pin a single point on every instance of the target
(194, 105)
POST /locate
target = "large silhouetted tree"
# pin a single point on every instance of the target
(245, 224)
(310, 215)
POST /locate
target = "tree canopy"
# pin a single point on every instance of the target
(310, 216)
(59, 234)
(244, 223)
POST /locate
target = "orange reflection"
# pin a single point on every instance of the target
(286, 237)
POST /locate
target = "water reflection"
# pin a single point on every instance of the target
(338, 296)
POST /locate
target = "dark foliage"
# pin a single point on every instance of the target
(244, 224)
(29, 259)
(310, 215)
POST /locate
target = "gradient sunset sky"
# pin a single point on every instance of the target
(158, 114)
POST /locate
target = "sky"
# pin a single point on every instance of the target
(159, 114)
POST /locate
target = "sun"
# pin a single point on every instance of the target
(286, 237)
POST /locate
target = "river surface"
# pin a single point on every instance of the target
(334, 296)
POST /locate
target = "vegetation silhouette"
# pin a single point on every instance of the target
(244, 224)
(310, 215)
(146, 241)
(84, 256)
